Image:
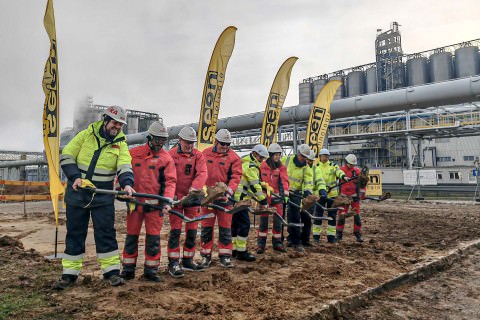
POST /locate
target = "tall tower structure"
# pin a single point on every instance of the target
(390, 67)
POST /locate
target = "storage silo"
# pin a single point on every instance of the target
(417, 71)
(341, 90)
(132, 125)
(317, 86)
(355, 83)
(305, 92)
(371, 80)
(466, 62)
(441, 66)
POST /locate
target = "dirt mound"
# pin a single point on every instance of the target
(7, 241)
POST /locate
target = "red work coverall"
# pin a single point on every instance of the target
(154, 173)
(191, 173)
(352, 190)
(277, 178)
(227, 168)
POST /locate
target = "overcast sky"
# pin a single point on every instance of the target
(153, 55)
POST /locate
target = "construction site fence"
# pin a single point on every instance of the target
(15, 190)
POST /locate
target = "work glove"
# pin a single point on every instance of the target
(323, 194)
(306, 193)
(263, 202)
(346, 179)
(286, 199)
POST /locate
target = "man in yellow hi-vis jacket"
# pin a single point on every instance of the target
(99, 154)
(300, 178)
(250, 183)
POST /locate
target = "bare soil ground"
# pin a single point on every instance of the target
(399, 236)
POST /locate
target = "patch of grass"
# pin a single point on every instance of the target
(11, 304)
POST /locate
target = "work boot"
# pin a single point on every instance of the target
(260, 250)
(234, 253)
(66, 281)
(246, 256)
(358, 235)
(299, 248)
(331, 239)
(115, 280)
(127, 274)
(152, 276)
(175, 270)
(316, 239)
(279, 247)
(189, 265)
(206, 261)
(339, 236)
(226, 262)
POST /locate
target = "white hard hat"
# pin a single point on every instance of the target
(311, 156)
(223, 135)
(275, 148)
(325, 152)
(261, 150)
(188, 134)
(157, 129)
(304, 150)
(117, 113)
(351, 159)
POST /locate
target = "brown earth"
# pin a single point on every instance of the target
(399, 236)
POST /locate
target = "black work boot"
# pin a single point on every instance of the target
(260, 250)
(234, 253)
(279, 247)
(316, 239)
(115, 280)
(331, 239)
(299, 248)
(245, 256)
(175, 270)
(152, 275)
(189, 265)
(206, 261)
(358, 235)
(66, 281)
(226, 262)
(127, 274)
(339, 236)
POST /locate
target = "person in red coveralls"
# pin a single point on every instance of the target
(351, 189)
(275, 174)
(223, 165)
(191, 175)
(155, 173)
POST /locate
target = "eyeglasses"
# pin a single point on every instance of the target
(225, 144)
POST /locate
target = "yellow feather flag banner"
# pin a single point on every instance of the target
(275, 101)
(212, 91)
(320, 116)
(51, 121)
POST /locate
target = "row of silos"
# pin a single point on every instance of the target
(439, 66)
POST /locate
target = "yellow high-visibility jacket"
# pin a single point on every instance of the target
(330, 171)
(250, 181)
(114, 159)
(300, 176)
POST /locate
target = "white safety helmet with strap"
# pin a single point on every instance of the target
(261, 150)
(157, 129)
(117, 113)
(304, 150)
(351, 159)
(188, 134)
(275, 148)
(324, 152)
(223, 135)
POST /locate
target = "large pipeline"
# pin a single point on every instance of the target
(419, 97)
